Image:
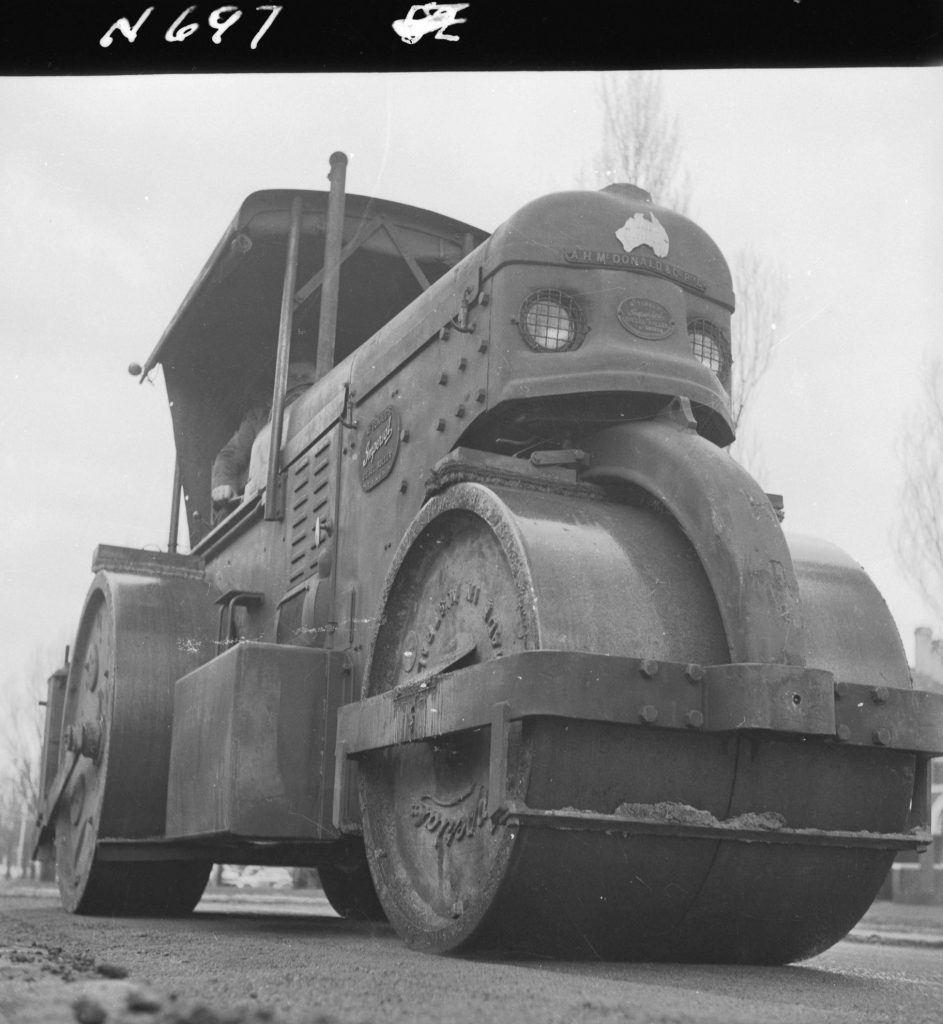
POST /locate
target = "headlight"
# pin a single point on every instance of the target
(551, 321)
(710, 346)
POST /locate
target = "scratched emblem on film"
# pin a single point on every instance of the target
(425, 18)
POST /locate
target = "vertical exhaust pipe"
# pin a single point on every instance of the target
(333, 241)
(273, 503)
(174, 512)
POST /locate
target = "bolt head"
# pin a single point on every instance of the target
(648, 713)
(693, 673)
(648, 668)
(694, 719)
(91, 744)
(843, 733)
(881, 736)
(879, 694)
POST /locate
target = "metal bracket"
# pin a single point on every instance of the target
(498, 765)
(919, 818)
(48, 808)
(228, 603)
(346, 417)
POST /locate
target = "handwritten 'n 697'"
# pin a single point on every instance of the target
(221, 19)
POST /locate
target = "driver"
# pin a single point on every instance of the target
(231, 465)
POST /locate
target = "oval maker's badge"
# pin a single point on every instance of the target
(379, 448)
(646, 319)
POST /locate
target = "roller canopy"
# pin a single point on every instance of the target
(218, 353)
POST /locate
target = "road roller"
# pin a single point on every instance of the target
(494, 633)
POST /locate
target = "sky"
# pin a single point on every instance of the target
(114, 190)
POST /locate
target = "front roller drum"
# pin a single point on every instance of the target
(114, 789)
(484, 574)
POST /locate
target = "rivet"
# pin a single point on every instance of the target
(649, 713)
(462, 363)
(879, 694)
(483, 346)
(444, 379)
(648, 667)
(693, 673)
(484, 299)
(694, 719)
(402, 487)
(881, 736)
(481, 396)
(460, 412)
(440, 425)
(841, 690)
(843, 733)
(404, 436)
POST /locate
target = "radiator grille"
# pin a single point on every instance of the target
(308, 500)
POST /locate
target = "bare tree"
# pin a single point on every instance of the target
(21, 730)
(919, 539)
(641, 145)
(760, 288)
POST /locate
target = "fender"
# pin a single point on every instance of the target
(727, 518)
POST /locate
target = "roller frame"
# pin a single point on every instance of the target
(784, 699)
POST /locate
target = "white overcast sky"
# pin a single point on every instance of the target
(114, 191)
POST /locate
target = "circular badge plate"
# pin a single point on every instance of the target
(646, 319)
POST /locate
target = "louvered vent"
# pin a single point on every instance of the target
(309, 499)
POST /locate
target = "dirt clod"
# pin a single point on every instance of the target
(140, 1000)
(108, 970)
(89, 1011)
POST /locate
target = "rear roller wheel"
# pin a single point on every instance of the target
(349, 888)
(483, 573)
(89, 884)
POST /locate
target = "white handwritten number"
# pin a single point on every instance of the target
(276, 10)
(221, 19)
(214, 21)
(175, 35)
(124, 26)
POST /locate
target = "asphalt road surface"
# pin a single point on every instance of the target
(264, 959)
